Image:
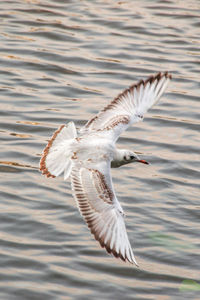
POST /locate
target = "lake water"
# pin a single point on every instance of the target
(62, 61)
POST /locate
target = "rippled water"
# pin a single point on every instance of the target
(63, 61)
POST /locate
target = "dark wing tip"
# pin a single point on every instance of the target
(158, 77)
(150, 79)
(109, 250)
(167, 75)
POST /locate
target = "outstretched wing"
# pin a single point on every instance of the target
(129, 107)
(95, 197)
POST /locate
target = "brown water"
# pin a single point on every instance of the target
(62, 61)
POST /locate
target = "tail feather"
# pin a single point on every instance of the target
(56, 157)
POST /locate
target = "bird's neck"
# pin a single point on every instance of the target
(118, 158)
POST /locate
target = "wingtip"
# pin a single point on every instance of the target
(158, 77)
(132, 262)
(150, 80)
(124, 259)
(116, 254)
(167, 75)
(136, 264)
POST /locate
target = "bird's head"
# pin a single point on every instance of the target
(124, 157)
(129, 157)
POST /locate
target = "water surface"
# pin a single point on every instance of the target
(62, 61)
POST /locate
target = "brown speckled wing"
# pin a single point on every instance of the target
(129, 106)
(99, 207)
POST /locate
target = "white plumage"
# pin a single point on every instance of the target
(88, 156)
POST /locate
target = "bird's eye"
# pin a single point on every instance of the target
(132, 157)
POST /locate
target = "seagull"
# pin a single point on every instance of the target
(88, 154)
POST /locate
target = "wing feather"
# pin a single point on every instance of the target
(101, 210)
(129, 106)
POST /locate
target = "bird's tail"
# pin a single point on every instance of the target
(56, 157)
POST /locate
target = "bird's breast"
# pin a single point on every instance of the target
(90, 148)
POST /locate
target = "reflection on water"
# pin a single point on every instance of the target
(63, 61)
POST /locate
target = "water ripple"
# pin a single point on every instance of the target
(63, 61)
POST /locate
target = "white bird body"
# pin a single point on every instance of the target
(89, 145)
(88, 155)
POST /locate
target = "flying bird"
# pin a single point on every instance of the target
(88, 154)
